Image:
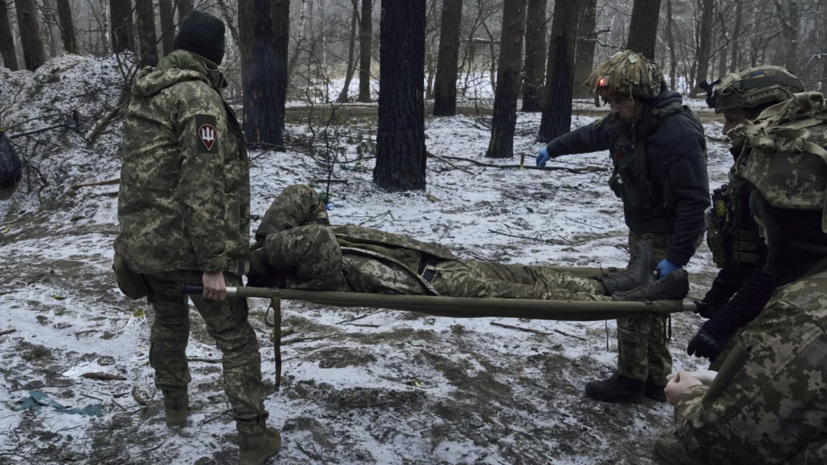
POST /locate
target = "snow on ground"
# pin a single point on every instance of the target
(389, 388)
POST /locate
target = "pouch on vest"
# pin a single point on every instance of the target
(130, 283)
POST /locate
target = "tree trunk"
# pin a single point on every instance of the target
(351, 55)
(122, 38)
(67, 26)
(280, 10)
(7, 39)
(33, 53)
(400, 143)
(535, 56)
(670, 42)
(167, 13)
(789, 24)
(365, 40)
(184, 8)
(643, 30)
(445, 100)
(504, 122)
(145, 13)
(722, 55)
(705, 49)
(736, 36)
(560, 73)
(105, 33)
(586, 43)
(258, 71)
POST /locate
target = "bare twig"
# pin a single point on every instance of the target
(585, 169)
(537, 239)
(300, 339)
(360, 317)
(443, 160)
(109, 182)
(91, 397)
(570, 335)
(518, 328)
(8, 331)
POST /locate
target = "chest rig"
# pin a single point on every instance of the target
(632, 179)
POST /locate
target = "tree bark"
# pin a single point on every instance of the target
(535, 56)
(184, 8)
(705, 49)
(145, 12)
(34, 54)
(445, 99)
(670, 42)
(67, 26)
(509, 70)
(400, 142)
(294, 59)
(167, 13)
(365, 44)
(556, 119)
(643, 30)
(789, 24)
(586, 43)
(351, 55)
(258, 68)
(122, 38)
(280, 10)
(6, 39)
(736, 36)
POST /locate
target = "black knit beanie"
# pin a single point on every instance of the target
(202, 34)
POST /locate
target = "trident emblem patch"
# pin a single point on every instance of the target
(207, 134)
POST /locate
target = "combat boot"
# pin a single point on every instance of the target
(617, 389)
(255, 449)
(175, 410)
(655, 391)
(639, 273)
(674, 286)
(671, 450)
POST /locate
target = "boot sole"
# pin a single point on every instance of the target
(669, 459)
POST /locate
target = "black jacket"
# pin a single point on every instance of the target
(676, 153)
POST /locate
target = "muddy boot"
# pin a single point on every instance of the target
(640, 272)
(654, 391)
(617, 389)
(671, 450)
(675, 286)
(175, 410)
(255, 449)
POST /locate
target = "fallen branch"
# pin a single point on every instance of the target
(570, 335)
(517, 236)
(300, 339)
(103, 377)
(109, 182)
(91, 397)
(104, 122)
(214, 417)
(8, 331)
(585, 169)
(360, 317)
(365, 326)
(37, 131)
(518, 328)
(443, 160)
(332, 181)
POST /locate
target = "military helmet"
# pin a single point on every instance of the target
(788, 160)
(751, 88)
(628, 74)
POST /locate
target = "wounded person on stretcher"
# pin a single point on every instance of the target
(297, 248)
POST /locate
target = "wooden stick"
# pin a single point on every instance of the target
(8, 331)
(517, 236)
(360, 317)
(332, 181)
(570, 335)
(364, 326)
(518, 328)
(103, 377)
(585, 169)
(301, 339)
(91, 397)
(443, 160)
(36, 131)
(92, 184)
(104, 122)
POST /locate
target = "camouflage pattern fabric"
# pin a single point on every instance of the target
(184, 201)
(627, 74)
(768, 403)
(227, 324)
(352, 258)
(642, 347)
(755, 86)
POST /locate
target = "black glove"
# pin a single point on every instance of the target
(703, 309)
(707, 344)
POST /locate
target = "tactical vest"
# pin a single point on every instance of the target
(632, 179)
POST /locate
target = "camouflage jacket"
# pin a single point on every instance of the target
(768, 403)
(184, 201)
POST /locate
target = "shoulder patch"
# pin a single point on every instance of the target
(207, 133)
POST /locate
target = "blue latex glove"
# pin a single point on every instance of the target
(543, 157)
(665, 267)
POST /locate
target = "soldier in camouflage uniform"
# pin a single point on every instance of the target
(732, 234)
(768, 404)
(184, 212)
(658, 150)
(297, 248)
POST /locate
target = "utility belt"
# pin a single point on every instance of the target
(427, 267)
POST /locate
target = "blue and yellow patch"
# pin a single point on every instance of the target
(757, 74)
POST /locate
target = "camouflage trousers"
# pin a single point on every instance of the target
(459, 278)
(227, 324)
(642, 346)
